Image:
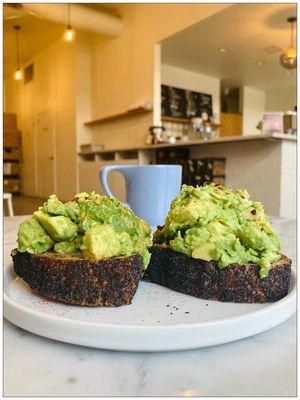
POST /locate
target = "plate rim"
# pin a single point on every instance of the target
(220, 321)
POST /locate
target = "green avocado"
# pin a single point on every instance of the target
(54, 207)
(94, 225)
(68, 247)
(33, 238)
(102, 241)
(60, 228)
(95, 243)
(73, 210)
(214, 223)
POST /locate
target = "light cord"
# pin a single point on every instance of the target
(17, 28)
(69, 15)
(292, 34)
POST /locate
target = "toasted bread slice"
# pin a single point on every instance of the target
(204, 279)
(74, 280)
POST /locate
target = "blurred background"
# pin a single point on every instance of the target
(209, 86)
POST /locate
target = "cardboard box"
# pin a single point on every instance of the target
(218, 167)
(11, 168)
(10, 121)
(11, 185)
(219, 180)
(290, 123)
(272, 122)
(11, 153)
(11, 138)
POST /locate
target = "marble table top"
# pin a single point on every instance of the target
(262, 365)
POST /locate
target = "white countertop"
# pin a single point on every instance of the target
(224, 139)
(262, 365)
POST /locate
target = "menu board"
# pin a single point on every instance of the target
(183, 103)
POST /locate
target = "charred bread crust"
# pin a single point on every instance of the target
(204, 279)
(109, 282)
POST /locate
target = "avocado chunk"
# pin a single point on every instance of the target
(102, 241)
(54, 206)
(69, 247)
(212, 222)
(73, 210)
(60, 228)
(33, 238)
(65, 247)
(204, 252)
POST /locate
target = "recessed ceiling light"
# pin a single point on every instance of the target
(260, 63)
(223, 50)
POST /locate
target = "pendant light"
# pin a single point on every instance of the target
(69, 33)
(288, 58)
(18, 72)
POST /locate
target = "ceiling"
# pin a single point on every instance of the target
(36, 33)
(245, 30)
(108, 8)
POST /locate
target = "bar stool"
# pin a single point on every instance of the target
(8, 197)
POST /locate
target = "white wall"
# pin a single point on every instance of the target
(185, 79)
(254, 102)
(283, 99)
(83, 88)
(288, 188)
(12, 97)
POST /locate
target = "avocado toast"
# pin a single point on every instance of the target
(217, 244)
(90, 251)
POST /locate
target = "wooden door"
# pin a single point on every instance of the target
(45, 135)
(29, 165)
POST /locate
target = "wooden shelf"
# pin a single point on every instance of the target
(126, 114)
(186, 121)
(175, 119)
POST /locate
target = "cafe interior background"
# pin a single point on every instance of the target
(207, 86)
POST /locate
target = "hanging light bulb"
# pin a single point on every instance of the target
(69, 34)
(18, 75)
(288, 59)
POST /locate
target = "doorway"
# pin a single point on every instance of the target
(29, 164)
(45, 154)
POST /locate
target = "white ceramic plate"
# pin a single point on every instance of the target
(159, 319)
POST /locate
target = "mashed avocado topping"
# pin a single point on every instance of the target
(94, 225)
(214, 223)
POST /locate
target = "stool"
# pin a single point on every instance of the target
(8, 197)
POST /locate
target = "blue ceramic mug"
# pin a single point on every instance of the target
(149, 189)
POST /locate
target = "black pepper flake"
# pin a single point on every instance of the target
(168, 305)
(171, 313)
(187, 312)
(206, 305)
(253, 212)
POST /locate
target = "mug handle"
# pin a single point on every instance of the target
(104, 172)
